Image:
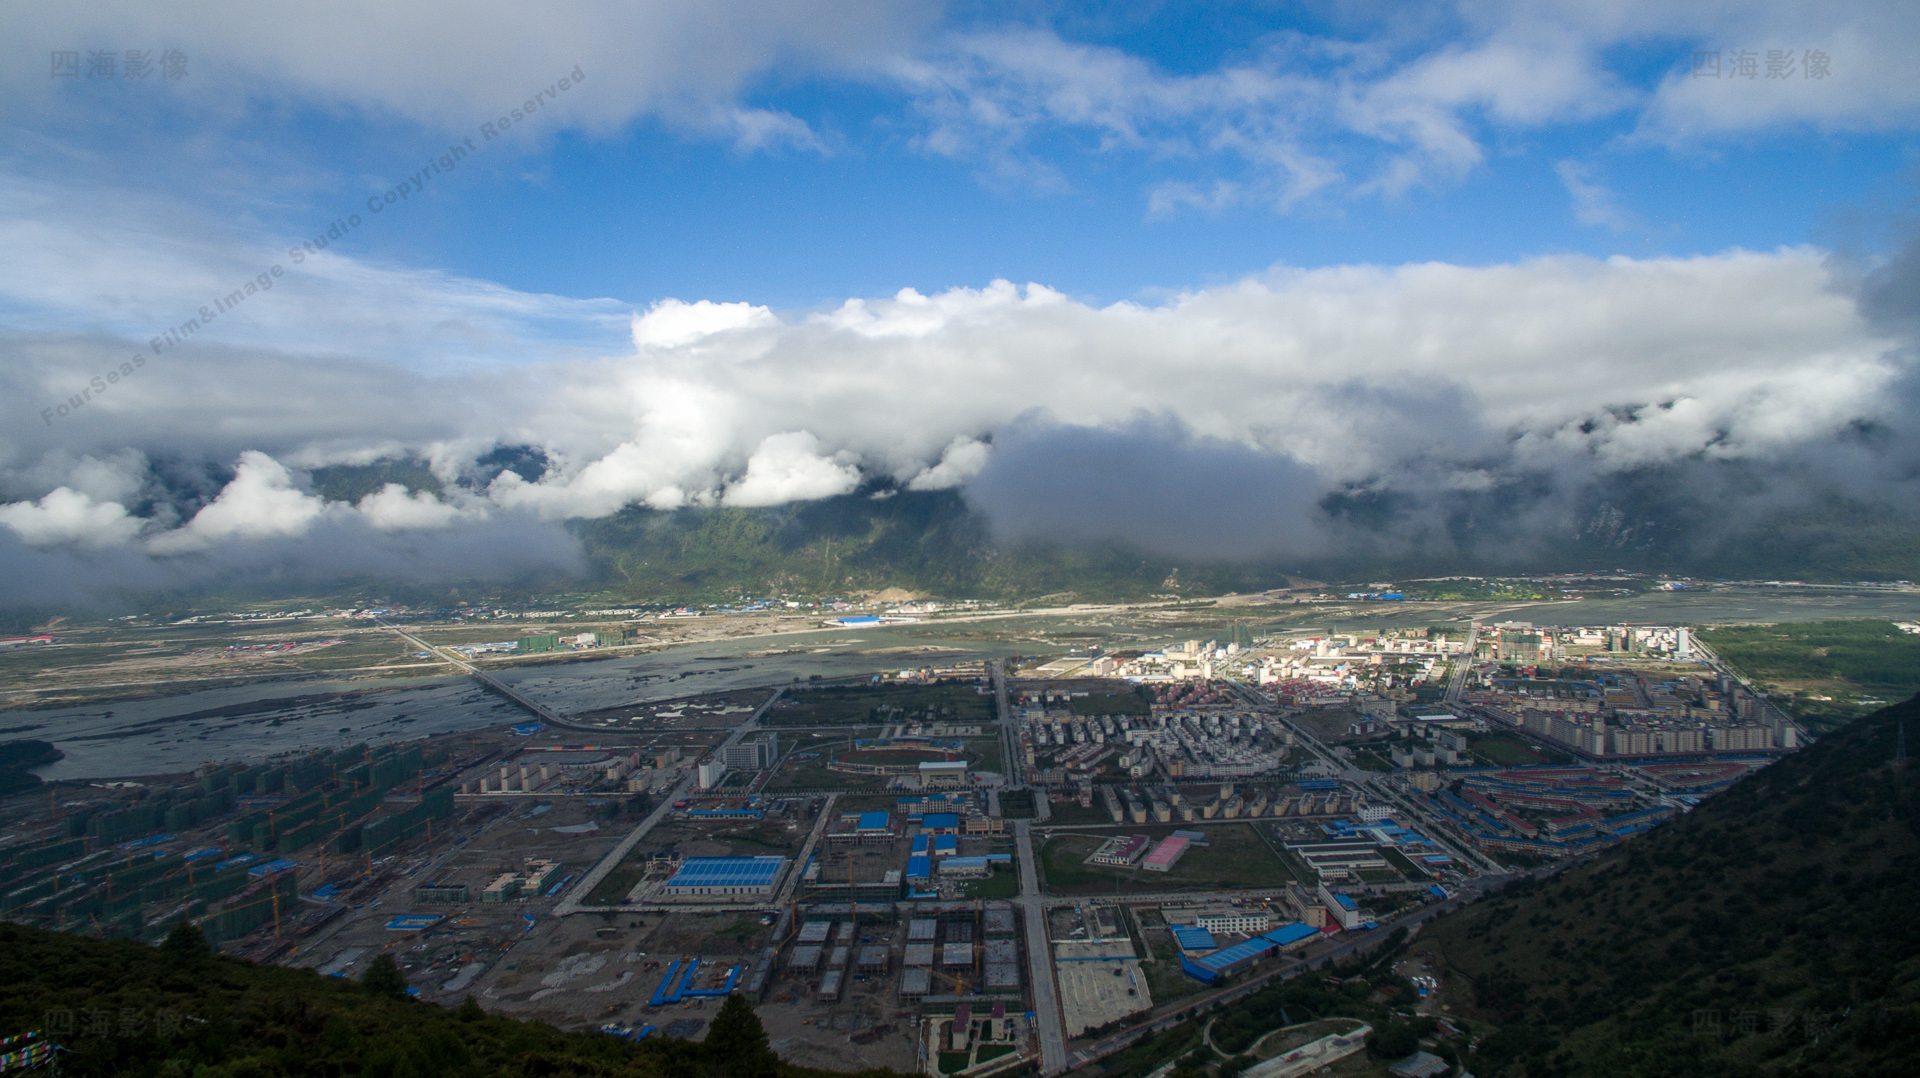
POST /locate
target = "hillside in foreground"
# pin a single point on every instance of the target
(125, 1008)
(1770, 931)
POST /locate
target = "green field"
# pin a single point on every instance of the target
(1234, 857)
(814, 774)
(1066, 810)
(1165, 979)
(1122, 700)
(1826, 672)
(1504, 751)
(841, 705)
(999, 885)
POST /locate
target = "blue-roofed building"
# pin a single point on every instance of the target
(945, 845)
(919, 867)
(1341, 907)
(1210, 967)
(1193, 938)
(723, 877)
(1291, 933)
(919, 845)
(966, 867)
(940, 823)
(873, 821)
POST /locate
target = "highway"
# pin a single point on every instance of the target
(573, 902)
(1046, 1002)
(806, 851)
(1370, 782)
(1457, 684)
(1010, 763)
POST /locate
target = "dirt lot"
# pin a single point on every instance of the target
(486, 840)
(868, 1027)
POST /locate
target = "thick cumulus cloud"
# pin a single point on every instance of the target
(1226, 421)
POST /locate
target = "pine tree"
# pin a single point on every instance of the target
(185, 942)
(736, 1044)
(383, 978)
(469, 1011)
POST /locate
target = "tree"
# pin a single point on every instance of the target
(383, 978)
(185, 942)
(1393, 1040)
(469, 1011)
(736, 1044)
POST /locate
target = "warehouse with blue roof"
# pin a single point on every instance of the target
(721, 877)
(1210, 967)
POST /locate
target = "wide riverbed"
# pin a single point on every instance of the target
(172, 734)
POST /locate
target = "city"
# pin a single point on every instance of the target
(982, 867)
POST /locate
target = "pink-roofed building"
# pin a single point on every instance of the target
(1165, 854)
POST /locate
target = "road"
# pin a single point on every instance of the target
(1457, 684)
(1046, 1001)
(1370, 782)
(1010, 763)
(573, 902)
(806, 851)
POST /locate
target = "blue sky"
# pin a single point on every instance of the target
(757, 253)
(607, 196)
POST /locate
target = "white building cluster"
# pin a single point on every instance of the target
(1183, 744)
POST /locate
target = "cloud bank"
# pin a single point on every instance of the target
(1229, 421)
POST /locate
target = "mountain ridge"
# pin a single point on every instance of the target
(1769, 931)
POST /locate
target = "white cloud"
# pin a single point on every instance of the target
(392, 508)
(455, 64)
(963, 459)
(261, 502)
(1593, 204)
(787, 468)
(65, 516)
(671, 323)
(1354, 372)
(1392, 108)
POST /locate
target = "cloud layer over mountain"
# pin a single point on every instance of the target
(1215, 423)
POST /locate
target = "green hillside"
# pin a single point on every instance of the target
(124, 1008)
(1770, 931)
(923, 542)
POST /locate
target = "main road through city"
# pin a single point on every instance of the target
(573, 903)
(1371, 783)
(1046, 1003)
(1033, 908)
